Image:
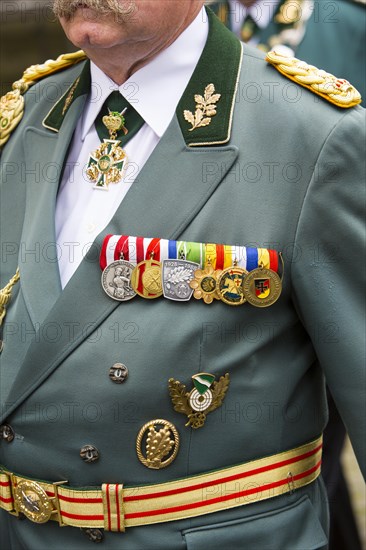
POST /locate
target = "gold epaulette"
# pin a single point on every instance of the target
(12, 103)
(336, 90)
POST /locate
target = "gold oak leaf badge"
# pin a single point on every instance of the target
(205, 108)
(158, 445)
(160, 440)
(206, 396)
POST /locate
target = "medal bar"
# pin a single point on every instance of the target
(178, 270)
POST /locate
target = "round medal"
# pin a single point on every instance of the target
(262, 287)
(230, 285)
(116, 280)
(146, 279)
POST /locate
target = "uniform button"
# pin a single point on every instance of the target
(89, 453)
(7, 433)
(94, 535)
(118, 373)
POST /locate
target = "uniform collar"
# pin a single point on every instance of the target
(218, 67)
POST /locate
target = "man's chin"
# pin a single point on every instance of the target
(87, 33)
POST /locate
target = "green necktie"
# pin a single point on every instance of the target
(115, 102)
(248, 29)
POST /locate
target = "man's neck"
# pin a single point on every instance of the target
(121, 62)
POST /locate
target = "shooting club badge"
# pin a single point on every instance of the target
(262, 287)
(206, 396)
(177, 275)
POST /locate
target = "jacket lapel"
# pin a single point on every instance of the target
(45, 153)
(173, 186)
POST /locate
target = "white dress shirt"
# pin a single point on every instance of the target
(261, 11)
(82, 212)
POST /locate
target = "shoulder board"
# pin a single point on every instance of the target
(336, 90)
(12, 103)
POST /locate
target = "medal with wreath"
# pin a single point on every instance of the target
(206, 396)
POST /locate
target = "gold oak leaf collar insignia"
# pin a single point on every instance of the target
(206, 396)
(205, 108)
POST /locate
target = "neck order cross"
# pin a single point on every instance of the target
(116, 123)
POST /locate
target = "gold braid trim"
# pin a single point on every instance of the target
(336, 90)
(12, 103)
(5, 295)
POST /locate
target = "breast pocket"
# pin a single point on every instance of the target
(294, 527)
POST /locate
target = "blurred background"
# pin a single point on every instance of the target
(29, 34)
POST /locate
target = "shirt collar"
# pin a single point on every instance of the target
(155, 89)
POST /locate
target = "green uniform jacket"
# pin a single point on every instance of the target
(284, 172)
(334, 37)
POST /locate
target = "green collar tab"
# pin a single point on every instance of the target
(81, 86)
(216, 73)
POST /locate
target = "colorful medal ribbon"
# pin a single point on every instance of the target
(152, 267)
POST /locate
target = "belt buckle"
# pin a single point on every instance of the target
(31, 499)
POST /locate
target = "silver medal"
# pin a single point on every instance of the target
(116, 280)
(177, 275)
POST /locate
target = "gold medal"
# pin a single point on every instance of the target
(230, 285)
(146, 279)
(204, 284)
(262, 287)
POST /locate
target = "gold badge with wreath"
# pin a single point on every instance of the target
(206, 396)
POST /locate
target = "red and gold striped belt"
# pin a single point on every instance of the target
(115, 507)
